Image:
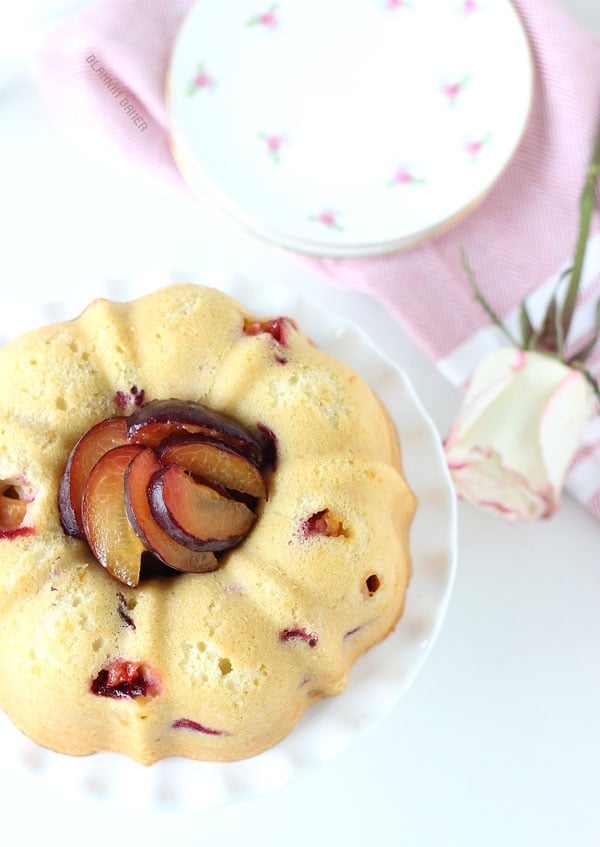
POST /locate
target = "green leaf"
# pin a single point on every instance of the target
(484, 303)
(545, 339)
(527, 328)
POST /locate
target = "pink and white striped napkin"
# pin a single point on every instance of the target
(519, 240)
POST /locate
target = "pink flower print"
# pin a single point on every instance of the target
(268, 19)
(273, 144)
(327, 218)
(398, 4)
(474, 146)
(404, 176)
(470, 6)
(451, 90)
(201, 81)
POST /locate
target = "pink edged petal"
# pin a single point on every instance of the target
(519, 426)
(561, 424)
(485, 482)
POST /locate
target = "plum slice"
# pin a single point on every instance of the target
(109, 433)
(157, 420)
(155, 538)
(112, 539)
(195, 514)
(215, 462)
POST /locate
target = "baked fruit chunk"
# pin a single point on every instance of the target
(204, 523)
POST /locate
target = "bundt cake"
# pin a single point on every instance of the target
(203, 524)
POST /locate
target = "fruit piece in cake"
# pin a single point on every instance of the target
(129, 399)
(12, 508)
(323, 523)
(299, 633)
(15, 496)
(188, 723)
(125, 678)
(277, 328)
(157, 420)
(195, 514)
(155, 539)
(112, 539)
(215, 462)
(97, 441)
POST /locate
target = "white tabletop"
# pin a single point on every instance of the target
(497, 742)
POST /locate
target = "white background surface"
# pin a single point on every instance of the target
(498, 740)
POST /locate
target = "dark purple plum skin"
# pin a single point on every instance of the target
(206, 421)
(269, 447)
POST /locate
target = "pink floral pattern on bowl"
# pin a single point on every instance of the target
(405, 176)
(328, 218)
(201, 81)
(398, 4)
(452, 90)
(273, 145)
(474, 146)
(267, 20)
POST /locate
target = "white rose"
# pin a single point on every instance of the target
(517, 431)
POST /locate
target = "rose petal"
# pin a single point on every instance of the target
(562, 423)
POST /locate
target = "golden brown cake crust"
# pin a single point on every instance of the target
(234, 656)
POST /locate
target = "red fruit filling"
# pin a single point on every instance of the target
(300, 634)
(125, 679)
(15, 533)
(186, 723)
(13, 509)
(322, 523)
(128, 399)
(277, 328)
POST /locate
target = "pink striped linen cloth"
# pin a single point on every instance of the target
(519, 240)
